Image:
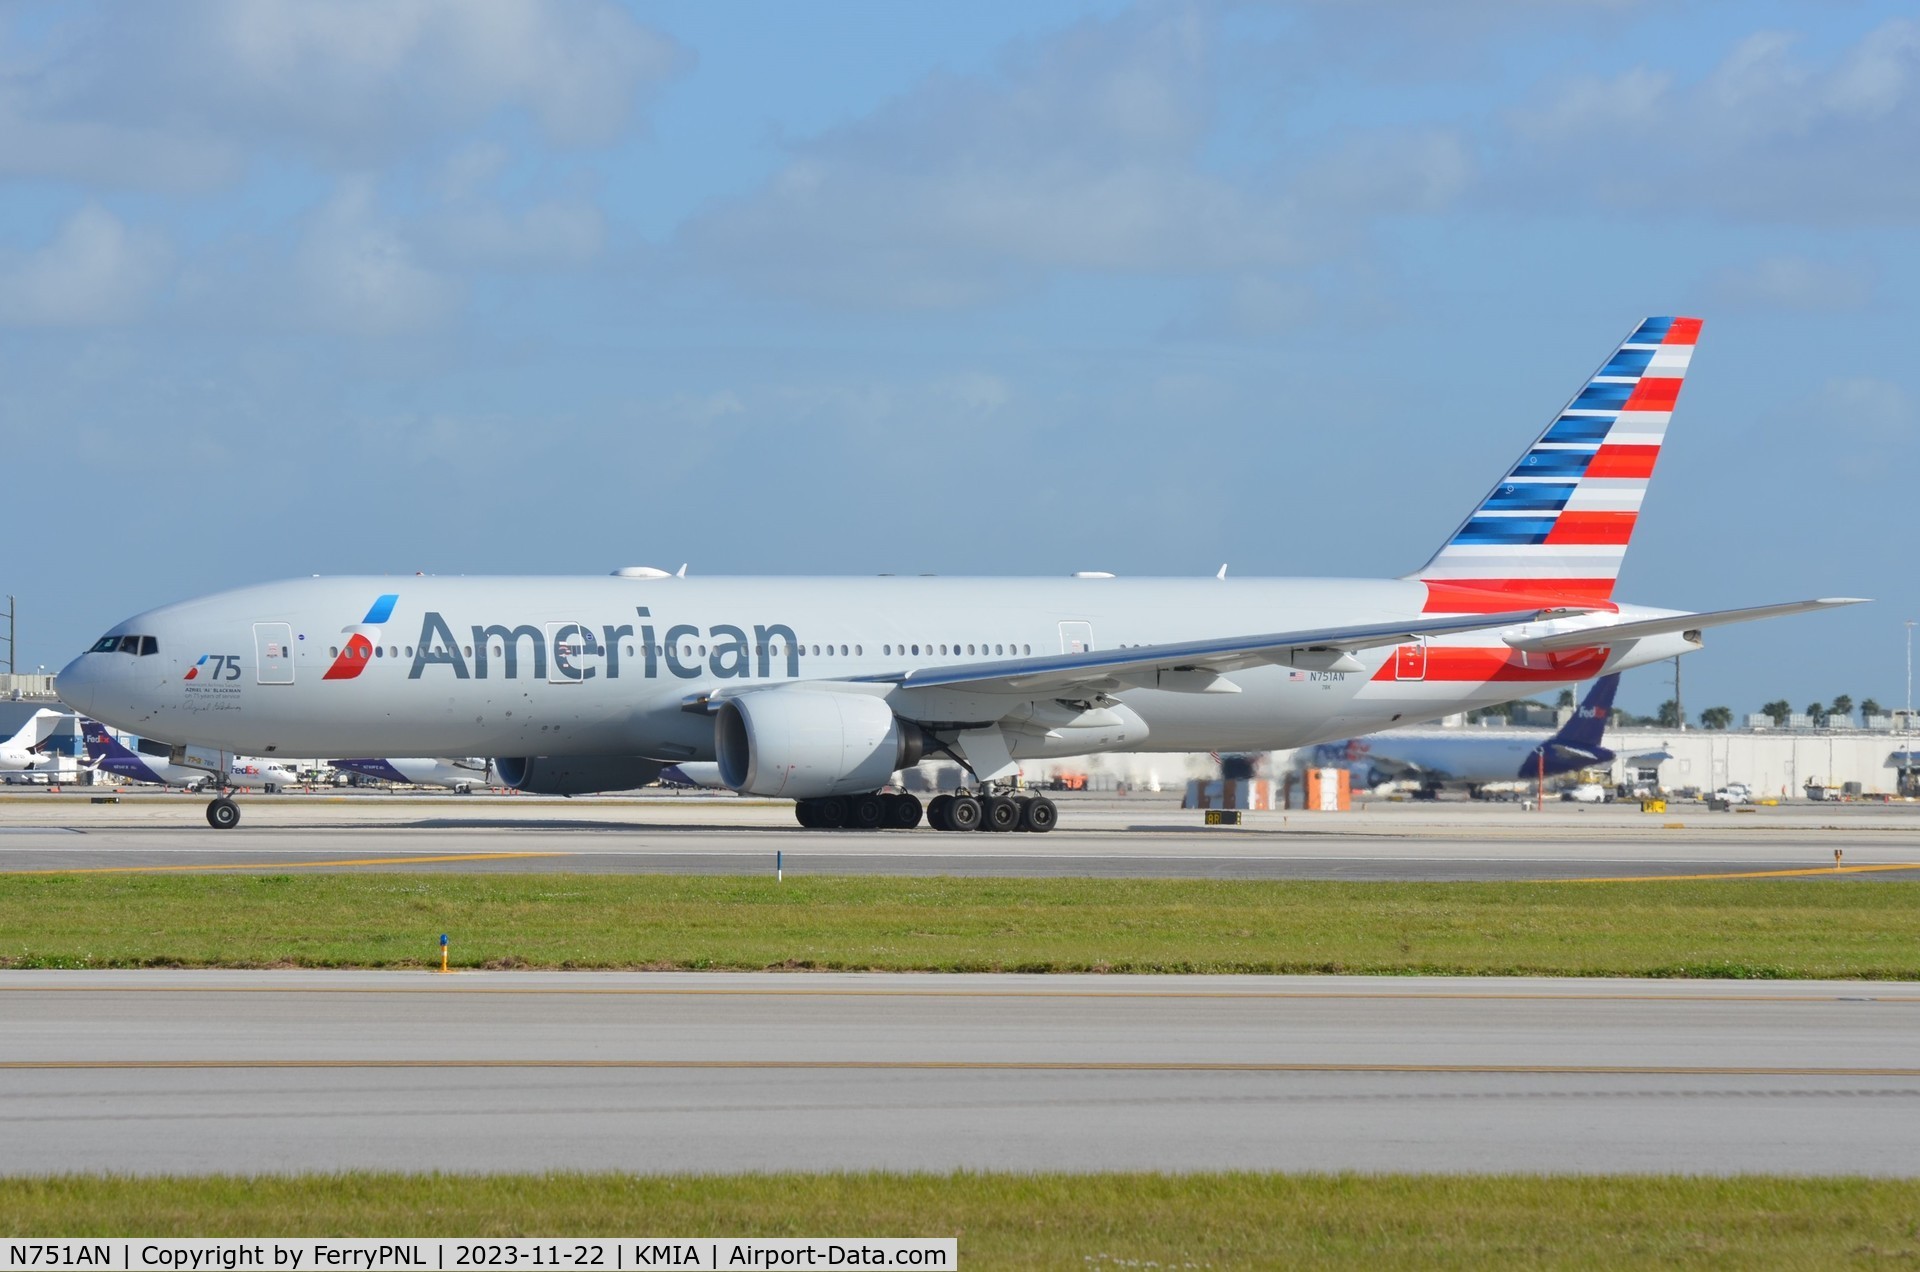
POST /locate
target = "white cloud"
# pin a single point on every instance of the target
(348, 68)
(557, 232)
(1087, 151)
(1375, 173)
(1768, 135)
(355, 272)
(1877, 410)
(1794, 283)
(94, 271)
(1867, 427)
(179, 96)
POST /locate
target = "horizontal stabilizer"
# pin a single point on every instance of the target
(1591, 633)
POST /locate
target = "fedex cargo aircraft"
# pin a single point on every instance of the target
(820, 689)
(1473, 758)
(143, 760)
(460, 774)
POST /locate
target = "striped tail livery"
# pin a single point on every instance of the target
(1558, 524)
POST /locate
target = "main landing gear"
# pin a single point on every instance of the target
(1035, 814)
(858, 812)
(223, 814)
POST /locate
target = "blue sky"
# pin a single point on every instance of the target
(1025, 288)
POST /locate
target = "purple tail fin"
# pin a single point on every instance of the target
(1589, 723)
(101, 744)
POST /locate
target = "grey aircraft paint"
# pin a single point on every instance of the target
(621, 666)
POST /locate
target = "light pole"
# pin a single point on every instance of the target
(1907, 719)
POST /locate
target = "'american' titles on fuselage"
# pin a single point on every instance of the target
(566, 648)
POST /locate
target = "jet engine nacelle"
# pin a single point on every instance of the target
(575, 774)
(806, 743)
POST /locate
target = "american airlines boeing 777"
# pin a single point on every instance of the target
(821, 689)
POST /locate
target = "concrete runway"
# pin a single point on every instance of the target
(1142, 836)
(284, 1071)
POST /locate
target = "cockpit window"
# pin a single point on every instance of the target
(140, 646)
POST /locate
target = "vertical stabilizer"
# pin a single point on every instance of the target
(39, 727)
(1589, 723)
(1577, 745)
(1558, 524)
(100, 743)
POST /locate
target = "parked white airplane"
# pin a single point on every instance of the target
(1438, 758)
(21, 753)
(461, 775)
(820, 689)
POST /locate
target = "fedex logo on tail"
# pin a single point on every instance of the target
(353, 656)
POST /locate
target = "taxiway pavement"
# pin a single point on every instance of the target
(283, 1071)
(1099, 837)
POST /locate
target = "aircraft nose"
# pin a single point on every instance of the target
(78, 685)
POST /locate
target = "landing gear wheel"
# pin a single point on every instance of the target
(866, 812)
(805, 814)
(998, 813)
(964, 813)
(1040, 815)
(937, 810)
(223, 814)
(830, 813)
(903, 812)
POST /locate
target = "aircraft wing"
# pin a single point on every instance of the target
(1591, 634)
(1193, 666)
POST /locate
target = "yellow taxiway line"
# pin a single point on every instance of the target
(293, 865)
(1803, 872)
(1014, 1066)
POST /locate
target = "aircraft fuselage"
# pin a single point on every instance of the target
(619, 666)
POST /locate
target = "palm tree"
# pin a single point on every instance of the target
(1870, 709)
(1778, 710)
(1716, 718)
(1566, 698)
(1843, 707)
(1816, 712)
(1669, 714)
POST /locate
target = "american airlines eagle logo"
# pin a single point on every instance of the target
(354, 655)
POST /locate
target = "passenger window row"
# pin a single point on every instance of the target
(979, 649)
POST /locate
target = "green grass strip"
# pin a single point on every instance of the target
(1059, 1221)
(1720, 929)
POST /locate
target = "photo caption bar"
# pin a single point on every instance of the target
(457, 1254)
